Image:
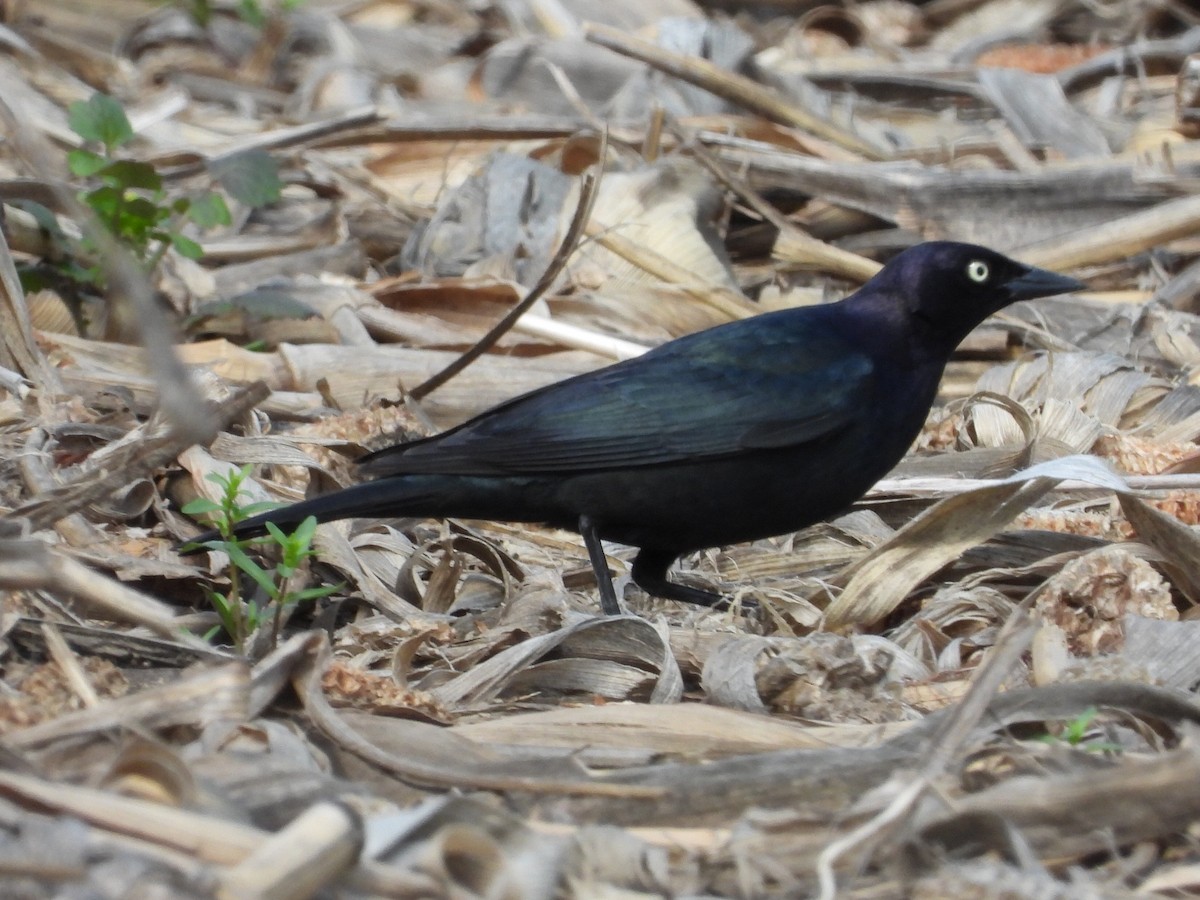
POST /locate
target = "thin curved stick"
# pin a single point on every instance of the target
(583, 212)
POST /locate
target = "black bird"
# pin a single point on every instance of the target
(742, 431)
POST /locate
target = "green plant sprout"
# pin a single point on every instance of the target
(240, 615)
(252, 12)
(131, 203)
(127, 196)
(1074, 733)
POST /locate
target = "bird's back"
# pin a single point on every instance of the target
(754, 428)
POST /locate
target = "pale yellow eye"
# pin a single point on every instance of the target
(977, 271)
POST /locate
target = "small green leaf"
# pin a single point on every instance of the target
(251, 12)
(90, 275)
(100, 118)
(220, 602)
(277, 533)
(186, 246)
(223, 480)
(133, 220)
(105, 201)
(209, 210)
(85, 163)
(254, 616)
(144, 213)
(260, 575)
(200, 506)
(201, 12)
(226, 612)
(250, 177)
(313, 593)
(304, 532)
(129, 173)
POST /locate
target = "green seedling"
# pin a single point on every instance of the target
(132, 204)
(242, 615)
(1074, 733)
(131, 201)
(252, 12)
(128, 196)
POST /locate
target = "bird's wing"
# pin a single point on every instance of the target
(714, 394)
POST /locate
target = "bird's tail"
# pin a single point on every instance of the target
(456, 496)
(360, 500)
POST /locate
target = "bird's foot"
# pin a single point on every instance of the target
(650, 574)
(699, 597)
(670, 590)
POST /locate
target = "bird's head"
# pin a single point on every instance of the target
(947, 288)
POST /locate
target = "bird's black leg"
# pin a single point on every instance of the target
(591, 540)
(650, 574)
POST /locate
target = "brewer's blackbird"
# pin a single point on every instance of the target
(742, 431)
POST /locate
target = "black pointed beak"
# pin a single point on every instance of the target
(1035, 282)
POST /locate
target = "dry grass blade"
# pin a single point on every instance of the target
(390, 206)
(207, 838)
(624, 637)
(68, 662)
(154, 827)
(942, 485)
(683, 730)
(879, 582)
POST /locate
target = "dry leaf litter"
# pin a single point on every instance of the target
(979, 682)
